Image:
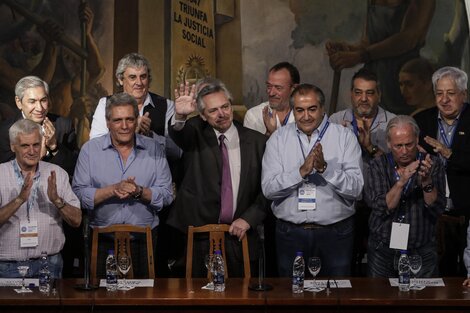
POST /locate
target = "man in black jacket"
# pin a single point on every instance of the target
(59, 143)
(214, 144)
(445, 131)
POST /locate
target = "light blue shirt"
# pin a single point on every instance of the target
(378, 134)
(336, 189)
(99, 165)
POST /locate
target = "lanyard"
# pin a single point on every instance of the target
(320, 136)
(401, 213)
(354, 123)
(34, 189)
(286, 119)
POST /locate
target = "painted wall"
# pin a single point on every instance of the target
(296, 31)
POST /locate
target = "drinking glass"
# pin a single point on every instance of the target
(415, 267)
(23, 267)
(124, 265)
(208, 262)
(314, 266)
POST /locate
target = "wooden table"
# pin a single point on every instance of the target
(177, 295)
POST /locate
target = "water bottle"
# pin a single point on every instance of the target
(111, 271)
(44, 274)
(403, 272)
(298, 273)
(218, 275)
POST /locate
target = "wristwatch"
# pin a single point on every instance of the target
(139, 193)
(59, 203)
(428, 188)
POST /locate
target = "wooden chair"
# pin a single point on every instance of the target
(216, 237)
(122, 245)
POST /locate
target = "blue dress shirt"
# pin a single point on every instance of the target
(100, 165)
(336, 189)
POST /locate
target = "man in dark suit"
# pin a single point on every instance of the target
(59, 143)
(204, 196)
(445, 131)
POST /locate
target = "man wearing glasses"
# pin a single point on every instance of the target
(274, 113)
(405, 190)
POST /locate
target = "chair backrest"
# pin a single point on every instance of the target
(216, 238)
(122, 245)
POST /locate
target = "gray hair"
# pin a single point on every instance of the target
(27, 83)
(400, 121)
(457, 75)
(210, 89)
(203, 82)
(120, 99)
(304, 89)
(132, 60)
(23, 126)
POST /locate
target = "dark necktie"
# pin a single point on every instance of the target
(226, 195)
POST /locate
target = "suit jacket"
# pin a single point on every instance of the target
(65, 157)
(198, 200)
(458, 165)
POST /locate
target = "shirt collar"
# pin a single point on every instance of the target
(439, 116)
(37, 172)
(229, 134)
(148, 101)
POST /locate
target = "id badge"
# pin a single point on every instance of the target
(29, 234)
(399, 236)
(307, 194)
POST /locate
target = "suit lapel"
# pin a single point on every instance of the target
(213, 145)
(245, 149)
(459, 135)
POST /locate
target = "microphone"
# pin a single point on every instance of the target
(261, 285)
(86, 254)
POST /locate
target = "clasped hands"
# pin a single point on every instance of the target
(126, 188)
(343, 55)
(143, 124)
(423, 168)
(49, 139)
(314, 160)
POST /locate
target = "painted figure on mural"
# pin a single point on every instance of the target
(415, 80)
(395, 31)
(37, 48)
